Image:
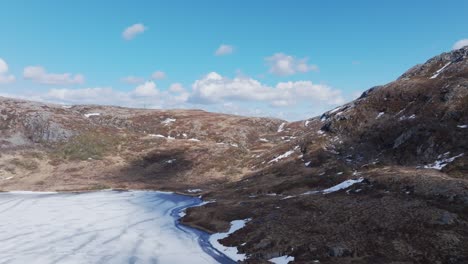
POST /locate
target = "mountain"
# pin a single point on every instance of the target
(382, 179)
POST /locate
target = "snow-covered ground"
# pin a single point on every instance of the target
(282, 156)
(92, 114)
(99, 227)
(231, 252)
(282, 260)
(443, 160)
(439, 71)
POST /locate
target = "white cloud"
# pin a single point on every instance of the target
(132, 80)
(3, 66)
(40, 75)
(284, 65)
(460, 44)
(243, 95)
(158, 75)
(80, 95)
(133, 30)
(176, 88)
(5, 77)
(224, 50)
(146, 95)
(146, 90)
(214, 88)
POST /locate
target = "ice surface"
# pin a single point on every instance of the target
(97, 227)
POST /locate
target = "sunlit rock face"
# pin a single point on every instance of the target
(97, 227)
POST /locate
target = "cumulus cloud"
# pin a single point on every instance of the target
(40, 75)
(243, 95)
(145, 95)
(214, 88)
(284, 65)
(158, 75)
(132, 31)
(224, 50)
(176, 88)
(460, 44)
(146, 90)
(79, 95)
(132, 80)
(5, 77)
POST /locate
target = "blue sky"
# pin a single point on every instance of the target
(288, 59)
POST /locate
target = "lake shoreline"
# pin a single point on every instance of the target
(201, 235)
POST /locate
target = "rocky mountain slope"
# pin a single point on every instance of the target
(382, 179)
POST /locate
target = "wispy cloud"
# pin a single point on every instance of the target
(283, 65)
(40, 75)
(460, 44)
(132, 80)
(132, 31)
(158, 75)
(224, 49)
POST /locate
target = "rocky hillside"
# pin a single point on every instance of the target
(91, 147)
(382, 179)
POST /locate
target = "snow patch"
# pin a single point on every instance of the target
(281, 127)
(440, 70)
(168, 120)
(230, 252)
(263, 140)
(442, 162)
(306, 123)
(413, 116)
(334, 110)
(344, 185)
(194, 139)
(462, 126)
(194, 190)
(282, 260)
(282, 156)
(92, 114)
(379, 115)
(157, 135)
(307, 163)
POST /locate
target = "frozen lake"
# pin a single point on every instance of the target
(100, 227)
